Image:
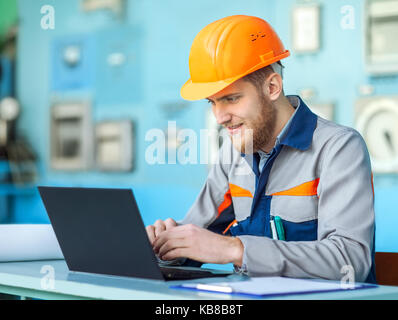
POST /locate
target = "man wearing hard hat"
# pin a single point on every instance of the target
(305, 207)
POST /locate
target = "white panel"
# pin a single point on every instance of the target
(114, 145)
(306, 28)
(381, 30)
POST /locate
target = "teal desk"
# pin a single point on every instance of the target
(33, 279)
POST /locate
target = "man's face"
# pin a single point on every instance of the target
(249, 116)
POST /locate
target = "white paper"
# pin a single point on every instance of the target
(272, 286)
(27, 242)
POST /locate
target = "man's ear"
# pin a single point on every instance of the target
(273, 86)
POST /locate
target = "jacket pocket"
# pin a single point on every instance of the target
(299, 215)
(300, 231)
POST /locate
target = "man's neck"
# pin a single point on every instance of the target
(284, 111)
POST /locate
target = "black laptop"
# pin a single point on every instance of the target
(101, 231)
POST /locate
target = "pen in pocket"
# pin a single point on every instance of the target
(279, 228)
(273, 229)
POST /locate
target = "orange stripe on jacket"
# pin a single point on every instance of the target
(229, 226)
(237, 191)
(226, 203)
(309, 188)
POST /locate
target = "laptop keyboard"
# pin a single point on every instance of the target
(184, 274)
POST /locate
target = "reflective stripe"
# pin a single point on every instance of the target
(309, 188)
(226, 203)
(229, 226)
(237, 191)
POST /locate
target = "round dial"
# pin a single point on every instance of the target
(379, 126)
(9, 109)
(72, 55)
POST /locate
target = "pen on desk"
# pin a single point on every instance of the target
(215, 288)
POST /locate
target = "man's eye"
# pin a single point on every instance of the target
(232, 99)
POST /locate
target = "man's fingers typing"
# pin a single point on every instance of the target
(160, 226)
(171, 244)
(175, 254)
(150, 230)
(170, 223)
(176, 232)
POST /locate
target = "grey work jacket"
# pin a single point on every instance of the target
(317, 181)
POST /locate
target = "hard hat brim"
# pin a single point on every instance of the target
(200, 90)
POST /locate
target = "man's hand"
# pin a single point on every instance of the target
(159, 226)
(199, 244)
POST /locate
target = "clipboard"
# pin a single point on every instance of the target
(260, 287)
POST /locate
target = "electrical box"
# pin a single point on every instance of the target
(73, 62)
(381, 30)
(306, 33)
(71, 136)
(114, 145)
(119, 64)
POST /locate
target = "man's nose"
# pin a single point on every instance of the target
(222, 115)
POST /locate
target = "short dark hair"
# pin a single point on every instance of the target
(258, 77)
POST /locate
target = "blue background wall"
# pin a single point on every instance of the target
(161, 33)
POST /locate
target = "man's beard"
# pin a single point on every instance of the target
(259, 131)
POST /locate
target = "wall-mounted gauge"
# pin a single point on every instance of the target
(377, 121)
(9, 109)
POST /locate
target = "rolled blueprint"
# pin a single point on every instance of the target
(27, 242)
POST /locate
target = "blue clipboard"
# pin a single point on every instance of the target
(273, 287)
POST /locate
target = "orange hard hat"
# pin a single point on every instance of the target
(227, 50)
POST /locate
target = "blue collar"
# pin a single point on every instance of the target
(301, 129)
(299, 134)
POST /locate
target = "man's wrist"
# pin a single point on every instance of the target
(236, 251)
